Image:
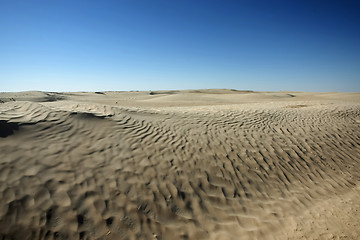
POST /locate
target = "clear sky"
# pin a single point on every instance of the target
(93, 45)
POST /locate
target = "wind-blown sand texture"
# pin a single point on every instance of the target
(196, 164)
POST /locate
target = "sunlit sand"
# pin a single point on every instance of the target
(191, 164)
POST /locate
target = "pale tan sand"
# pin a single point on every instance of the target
(194, 164)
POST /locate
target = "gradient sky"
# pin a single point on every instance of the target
(141, 45)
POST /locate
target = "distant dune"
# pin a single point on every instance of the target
(189, 164)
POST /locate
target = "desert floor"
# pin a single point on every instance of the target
(191, 164)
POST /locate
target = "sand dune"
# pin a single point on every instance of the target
(192, 164)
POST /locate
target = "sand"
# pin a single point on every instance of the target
(192, 164)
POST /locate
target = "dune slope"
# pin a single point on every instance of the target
(179, 165)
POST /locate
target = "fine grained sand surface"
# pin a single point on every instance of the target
(195, 164)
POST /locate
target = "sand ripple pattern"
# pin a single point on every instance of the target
(116, 173)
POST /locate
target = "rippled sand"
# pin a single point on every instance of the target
(204, 164)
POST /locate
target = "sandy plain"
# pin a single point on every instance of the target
(191, 164)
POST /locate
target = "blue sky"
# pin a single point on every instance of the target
(141, 45)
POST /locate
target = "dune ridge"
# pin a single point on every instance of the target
(195, 164)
